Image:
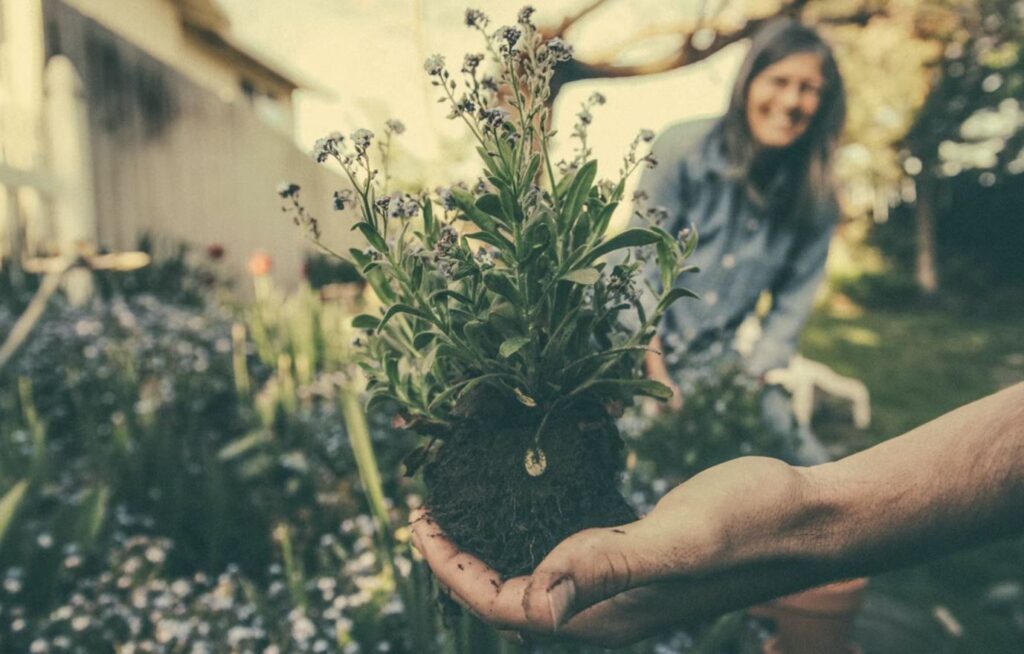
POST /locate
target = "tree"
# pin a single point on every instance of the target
(972, 121)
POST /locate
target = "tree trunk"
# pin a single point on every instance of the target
(926, 267)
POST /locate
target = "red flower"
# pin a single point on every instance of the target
(259, 264)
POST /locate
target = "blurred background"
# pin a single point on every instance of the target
(184, 463)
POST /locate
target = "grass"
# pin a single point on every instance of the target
(918, 364)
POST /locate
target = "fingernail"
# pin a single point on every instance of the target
(560, 599)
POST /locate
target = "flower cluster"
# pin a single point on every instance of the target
(326, 147)
(584, 118)
(98, 392)
(457, 314)
(133, 606)
(300, 216)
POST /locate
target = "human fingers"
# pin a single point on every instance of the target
(477, 586)
(598, 564)
(586, 568)
(676, 402)
(629, 617)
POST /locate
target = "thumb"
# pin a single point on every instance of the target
(585, 569)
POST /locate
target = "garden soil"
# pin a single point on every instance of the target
(480, 492)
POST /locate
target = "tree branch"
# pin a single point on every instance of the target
(603, 66)
(570, 20)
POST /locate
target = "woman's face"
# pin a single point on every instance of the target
(783, 98)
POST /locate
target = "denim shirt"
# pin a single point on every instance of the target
(740, 253)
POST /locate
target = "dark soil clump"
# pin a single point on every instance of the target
(481, 495)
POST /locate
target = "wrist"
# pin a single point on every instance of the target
(796, 521)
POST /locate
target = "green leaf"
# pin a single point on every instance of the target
(491, 204)
(578, 190)
(476, 334)
(446, 293)
(461, 388)
(93, 514)
(381, 285)
(396, 309)
(372, 236)
(9, 505)
(605, 354)
(423, 339)
(429, 224)
(503, 316)
(365, 321)
(666, 263)
(647, 387)
(452, 353)
(489, 161)
(466, 202)
(513, 345)
(416, 276)
(415, 459)
(673, 295)
(378, 398)
(604, 217)
(531, 170)
(690, 244)
(256, 466)
(635, 237)
(509, 206)
(240, 446)
(359, 256)
(497, 240)
(585, 276)
(391, 368)
(502, 285)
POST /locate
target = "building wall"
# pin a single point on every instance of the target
(172, 160)
(155, 27)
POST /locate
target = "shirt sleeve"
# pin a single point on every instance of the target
(793, 297)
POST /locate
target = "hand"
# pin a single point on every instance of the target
(654, 362)
(614, 586)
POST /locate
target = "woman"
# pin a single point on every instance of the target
(756, 185)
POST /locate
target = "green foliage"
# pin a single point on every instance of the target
(969, 122)
(722, 419)
(133, 418)
(505, 284)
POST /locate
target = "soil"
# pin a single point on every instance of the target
(480, 492)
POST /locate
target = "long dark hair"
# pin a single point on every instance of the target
(802, 175)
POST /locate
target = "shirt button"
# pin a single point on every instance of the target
(729, 261)
(711, 297)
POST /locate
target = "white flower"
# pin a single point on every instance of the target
(434, 64)
(303, 629)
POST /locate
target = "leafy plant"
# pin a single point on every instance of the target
(503, 285)
(722, 419)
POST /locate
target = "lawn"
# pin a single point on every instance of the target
(918, 364)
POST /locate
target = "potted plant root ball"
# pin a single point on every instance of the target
(501, 336)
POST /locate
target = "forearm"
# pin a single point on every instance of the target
(951, 483)
(954, 482)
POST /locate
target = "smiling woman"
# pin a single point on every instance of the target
(783, 100)
(756, 185)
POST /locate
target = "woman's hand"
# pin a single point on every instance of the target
(654, 363)
(615, 586)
